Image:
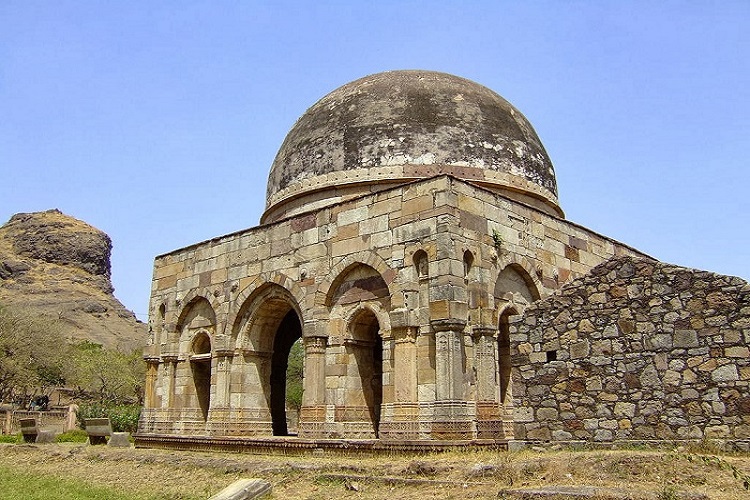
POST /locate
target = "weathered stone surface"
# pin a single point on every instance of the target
(119, 440)
(45, 437)
(674, 352)
(57, 266)
(418, 259)
(406, 125)
(244, 489)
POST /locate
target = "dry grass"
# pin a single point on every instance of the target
(469, 474)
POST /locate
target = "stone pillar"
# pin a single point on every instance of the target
(405, 364)
(454, 417)
(170, 363)
(489, 409)
(149, 394)
(223, 367)
(219, 412)
(448, 362)
(485, 345)
(313, 412)
(399, 420)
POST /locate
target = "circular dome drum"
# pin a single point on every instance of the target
(399, 126)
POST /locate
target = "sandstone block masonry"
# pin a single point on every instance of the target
(401, 299)
(635, 350)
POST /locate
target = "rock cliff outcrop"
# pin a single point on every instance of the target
(58, 266)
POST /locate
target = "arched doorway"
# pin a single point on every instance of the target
(288, 332)
(503, 354)
(365, 380)
(266, 327)
(200, 366)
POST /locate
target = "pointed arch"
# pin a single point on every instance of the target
(197, 314)
(241, 303)
(516, 285)
(374, 308)
(196, 327)
(264, 327)
(338, 272)
(421, 264)
(263, 310)
(191, 297)
(364, 381)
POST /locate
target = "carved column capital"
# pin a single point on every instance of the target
(483, 331)
(315, 345)
(406, 334)
(224, 352)
(152, 359)
(443, 325)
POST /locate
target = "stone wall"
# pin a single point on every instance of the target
(635, 350)
(400, 291)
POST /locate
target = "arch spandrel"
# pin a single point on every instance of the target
(517, 286)
(261, 312)
(250, 292)
(338, 272)
(218, 308)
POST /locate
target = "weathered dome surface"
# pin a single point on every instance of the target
(399, 126)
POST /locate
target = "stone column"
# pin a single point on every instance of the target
(149, 394)
(405, 364)
(168, 384)
(454, 417)
(223, 367)
(313, 412)
(448, 362)
(485, 345)
(489, 412)
(399, 420)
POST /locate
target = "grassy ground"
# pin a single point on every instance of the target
(90, 472)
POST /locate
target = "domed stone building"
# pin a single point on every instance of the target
(411, 220)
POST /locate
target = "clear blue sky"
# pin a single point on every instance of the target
(157, 122)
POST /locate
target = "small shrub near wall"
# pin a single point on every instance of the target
(74, 436)
(11, 438)
(123, 418)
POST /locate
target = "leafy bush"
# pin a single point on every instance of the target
(90, 410)
(294, 375)
(10, 438)
(74, 436)
(123, 418)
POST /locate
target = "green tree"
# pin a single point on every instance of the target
(294, 369)
(106, 375)
(33, 355)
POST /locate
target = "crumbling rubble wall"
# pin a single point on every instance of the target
(635, 350)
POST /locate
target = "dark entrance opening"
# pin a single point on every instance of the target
(288, 333)
(503, 352)
(200, 364)
(368, 353)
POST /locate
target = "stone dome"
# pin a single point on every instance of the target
(399, 126)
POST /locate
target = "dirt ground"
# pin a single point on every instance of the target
(660, 475)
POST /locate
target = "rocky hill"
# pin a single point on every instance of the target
(57, 266)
